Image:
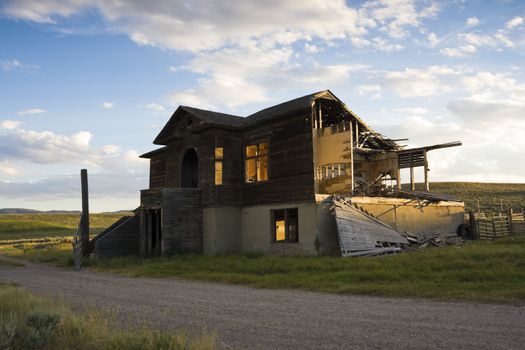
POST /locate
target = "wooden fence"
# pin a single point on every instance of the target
(498, 225)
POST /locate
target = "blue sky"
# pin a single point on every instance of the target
(89, 83)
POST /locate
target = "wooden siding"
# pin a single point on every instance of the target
(181, 221)
(291, 175)
(157, 171)
(122, 240)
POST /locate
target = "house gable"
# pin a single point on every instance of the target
(191, 119)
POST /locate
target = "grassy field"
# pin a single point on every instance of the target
(489, 195)
(29, 322)
(491, 271)
(20, 226)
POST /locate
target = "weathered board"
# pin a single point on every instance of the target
(360, 234)
(122, 240)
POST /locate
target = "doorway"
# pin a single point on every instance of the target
(154, 219)
(189, 174)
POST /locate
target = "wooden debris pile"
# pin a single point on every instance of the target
(437, 240)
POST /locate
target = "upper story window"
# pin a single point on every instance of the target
(256, 163)
(219, 155)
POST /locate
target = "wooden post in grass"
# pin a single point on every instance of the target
(473, 225)
(511, 224)
(84, 225)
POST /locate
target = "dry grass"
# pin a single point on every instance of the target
(490, 271)
(29, 322)
(41, 225)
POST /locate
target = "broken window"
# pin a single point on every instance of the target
(256, 163)
(331, 171)
(285, 226)
(219, 155)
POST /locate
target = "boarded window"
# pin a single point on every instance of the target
(285, 225)
(256, 163)
(219, 154)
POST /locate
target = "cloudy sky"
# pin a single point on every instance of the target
(89, 83)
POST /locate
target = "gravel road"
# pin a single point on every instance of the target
(250, 318)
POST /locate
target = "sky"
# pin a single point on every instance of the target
(90, 83)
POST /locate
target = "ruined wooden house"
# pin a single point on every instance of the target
(221, 183)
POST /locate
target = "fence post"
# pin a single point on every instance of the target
(511, 225)
(84, 225)
(472, 223)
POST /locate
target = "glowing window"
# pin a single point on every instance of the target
(256, 162)
(219, 154)
(285, 225)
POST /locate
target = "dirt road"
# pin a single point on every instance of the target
(284, 319)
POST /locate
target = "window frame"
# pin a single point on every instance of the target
(218, 159)
(257, 157)
(288, 239)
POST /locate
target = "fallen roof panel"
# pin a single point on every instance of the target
(361, 234)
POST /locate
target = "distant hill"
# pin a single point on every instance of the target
(489, 196)
(33, 211)
(18, 211)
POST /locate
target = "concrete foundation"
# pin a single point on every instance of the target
(405, 215)
(257, 231)
(221, 230)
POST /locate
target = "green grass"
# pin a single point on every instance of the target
(54, 252)
(489, 195)
(490, 271)
(20, 226)
(30, 322)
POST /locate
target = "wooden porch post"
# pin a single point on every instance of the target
(427, 185)
(412, 180)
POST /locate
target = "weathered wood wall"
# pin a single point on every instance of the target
(157, 171)
(181, 221)
(123, 240)
(290, 173)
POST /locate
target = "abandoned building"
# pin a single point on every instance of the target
(222, 183)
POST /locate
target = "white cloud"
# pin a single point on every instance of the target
(202, 26)
(412, 110)
(10, 124)
(515, 22)
(105, 189)
(472, 21)
(241, 54)
(155, 108)
(311, 49)
(207, 26)
(432, 39)
(8, 169)
(46, 147)
(382, 45)
(227, 90)
(31, 111)
(468, 43)
(108, 105)
(412, 82)
(251, 73)
(9, 65)
(374, 91)
(461, 51)
(394, 17)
